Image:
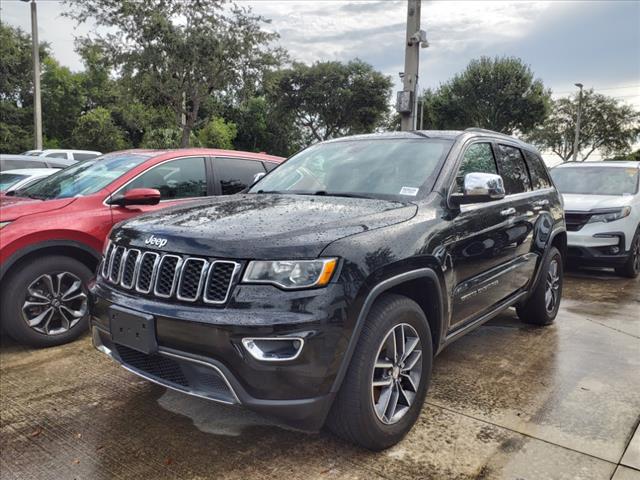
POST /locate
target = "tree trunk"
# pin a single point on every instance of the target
(186, 133)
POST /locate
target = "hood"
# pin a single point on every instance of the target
(576, 202)
(12, 208)
(262, 225)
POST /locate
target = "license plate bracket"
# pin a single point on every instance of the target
(133, 329)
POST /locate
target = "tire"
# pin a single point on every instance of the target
(537, 310)
(68, 317)
(631, 268)
(353, 416)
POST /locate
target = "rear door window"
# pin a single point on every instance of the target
(513, 169)
(537, 170)
(235, 174)
(176, 179)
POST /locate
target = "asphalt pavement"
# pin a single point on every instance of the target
(508, 401)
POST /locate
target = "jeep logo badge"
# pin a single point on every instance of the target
(156, 241)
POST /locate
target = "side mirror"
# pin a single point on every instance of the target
(257, 177)
(136, 196)
(479, 188)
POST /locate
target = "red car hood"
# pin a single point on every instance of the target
(12, 208)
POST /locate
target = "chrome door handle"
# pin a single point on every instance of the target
(541, 203)
(508, 212)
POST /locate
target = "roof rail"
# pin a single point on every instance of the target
(485, 130)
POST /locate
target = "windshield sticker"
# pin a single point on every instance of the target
(409, 191)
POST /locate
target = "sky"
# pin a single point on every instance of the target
(596, 43)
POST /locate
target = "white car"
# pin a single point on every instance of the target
(602, 212)
(77, 155)
(12, 180)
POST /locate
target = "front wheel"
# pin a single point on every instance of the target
(45, 302)
(384, 389)
(542, 306)
(631, 268)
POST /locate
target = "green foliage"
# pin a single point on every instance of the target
(178, 53)
(330, 99)
(218, 134)
(63, 101)
(263, 127)
(163, 138)
(629, 157)
(500, 94)
(16, 85)
(96, 130)
(606, 125)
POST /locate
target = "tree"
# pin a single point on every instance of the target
(499, 94)
(263, 127)
(63, 101)
(331, 99)
(178, 53)
(96, 130)
(606, 125)
(218, 134)
(16, 89)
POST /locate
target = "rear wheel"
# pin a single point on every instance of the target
(45, 303)
(384, 389)
(542, 306)
(631, 268)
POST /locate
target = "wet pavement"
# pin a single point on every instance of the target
(507, 401)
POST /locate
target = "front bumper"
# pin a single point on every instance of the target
(200, 349)
(604, 249)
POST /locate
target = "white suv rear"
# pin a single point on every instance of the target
(602, 212)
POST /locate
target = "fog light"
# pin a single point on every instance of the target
(274, 349)
(615, 250)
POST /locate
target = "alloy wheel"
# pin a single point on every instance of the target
(552, 290)
(396, 373)
(54, 303)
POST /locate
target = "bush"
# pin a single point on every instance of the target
(218, 134)
(96, 130)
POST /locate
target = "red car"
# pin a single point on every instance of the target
(52, 233)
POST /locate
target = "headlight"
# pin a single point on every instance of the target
(610, 215)
(291, 274)
(4, 224)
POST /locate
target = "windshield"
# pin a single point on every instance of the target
(596, 180)
(84, 178)
(8, 179)
(384, 167)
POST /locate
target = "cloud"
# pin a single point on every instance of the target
(597, 43)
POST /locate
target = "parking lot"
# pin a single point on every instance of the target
(507, 401)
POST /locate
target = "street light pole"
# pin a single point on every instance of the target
(37, 104)
(576, 141)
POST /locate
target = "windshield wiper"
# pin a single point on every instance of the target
(269, 191)
(324, 193)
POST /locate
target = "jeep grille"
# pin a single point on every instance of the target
(167, 275)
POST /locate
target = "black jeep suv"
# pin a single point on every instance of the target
(323, 293)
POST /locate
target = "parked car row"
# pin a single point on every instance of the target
(319, 291)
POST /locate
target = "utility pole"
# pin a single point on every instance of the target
(37, 104)
(576, 141)
(416, 38)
